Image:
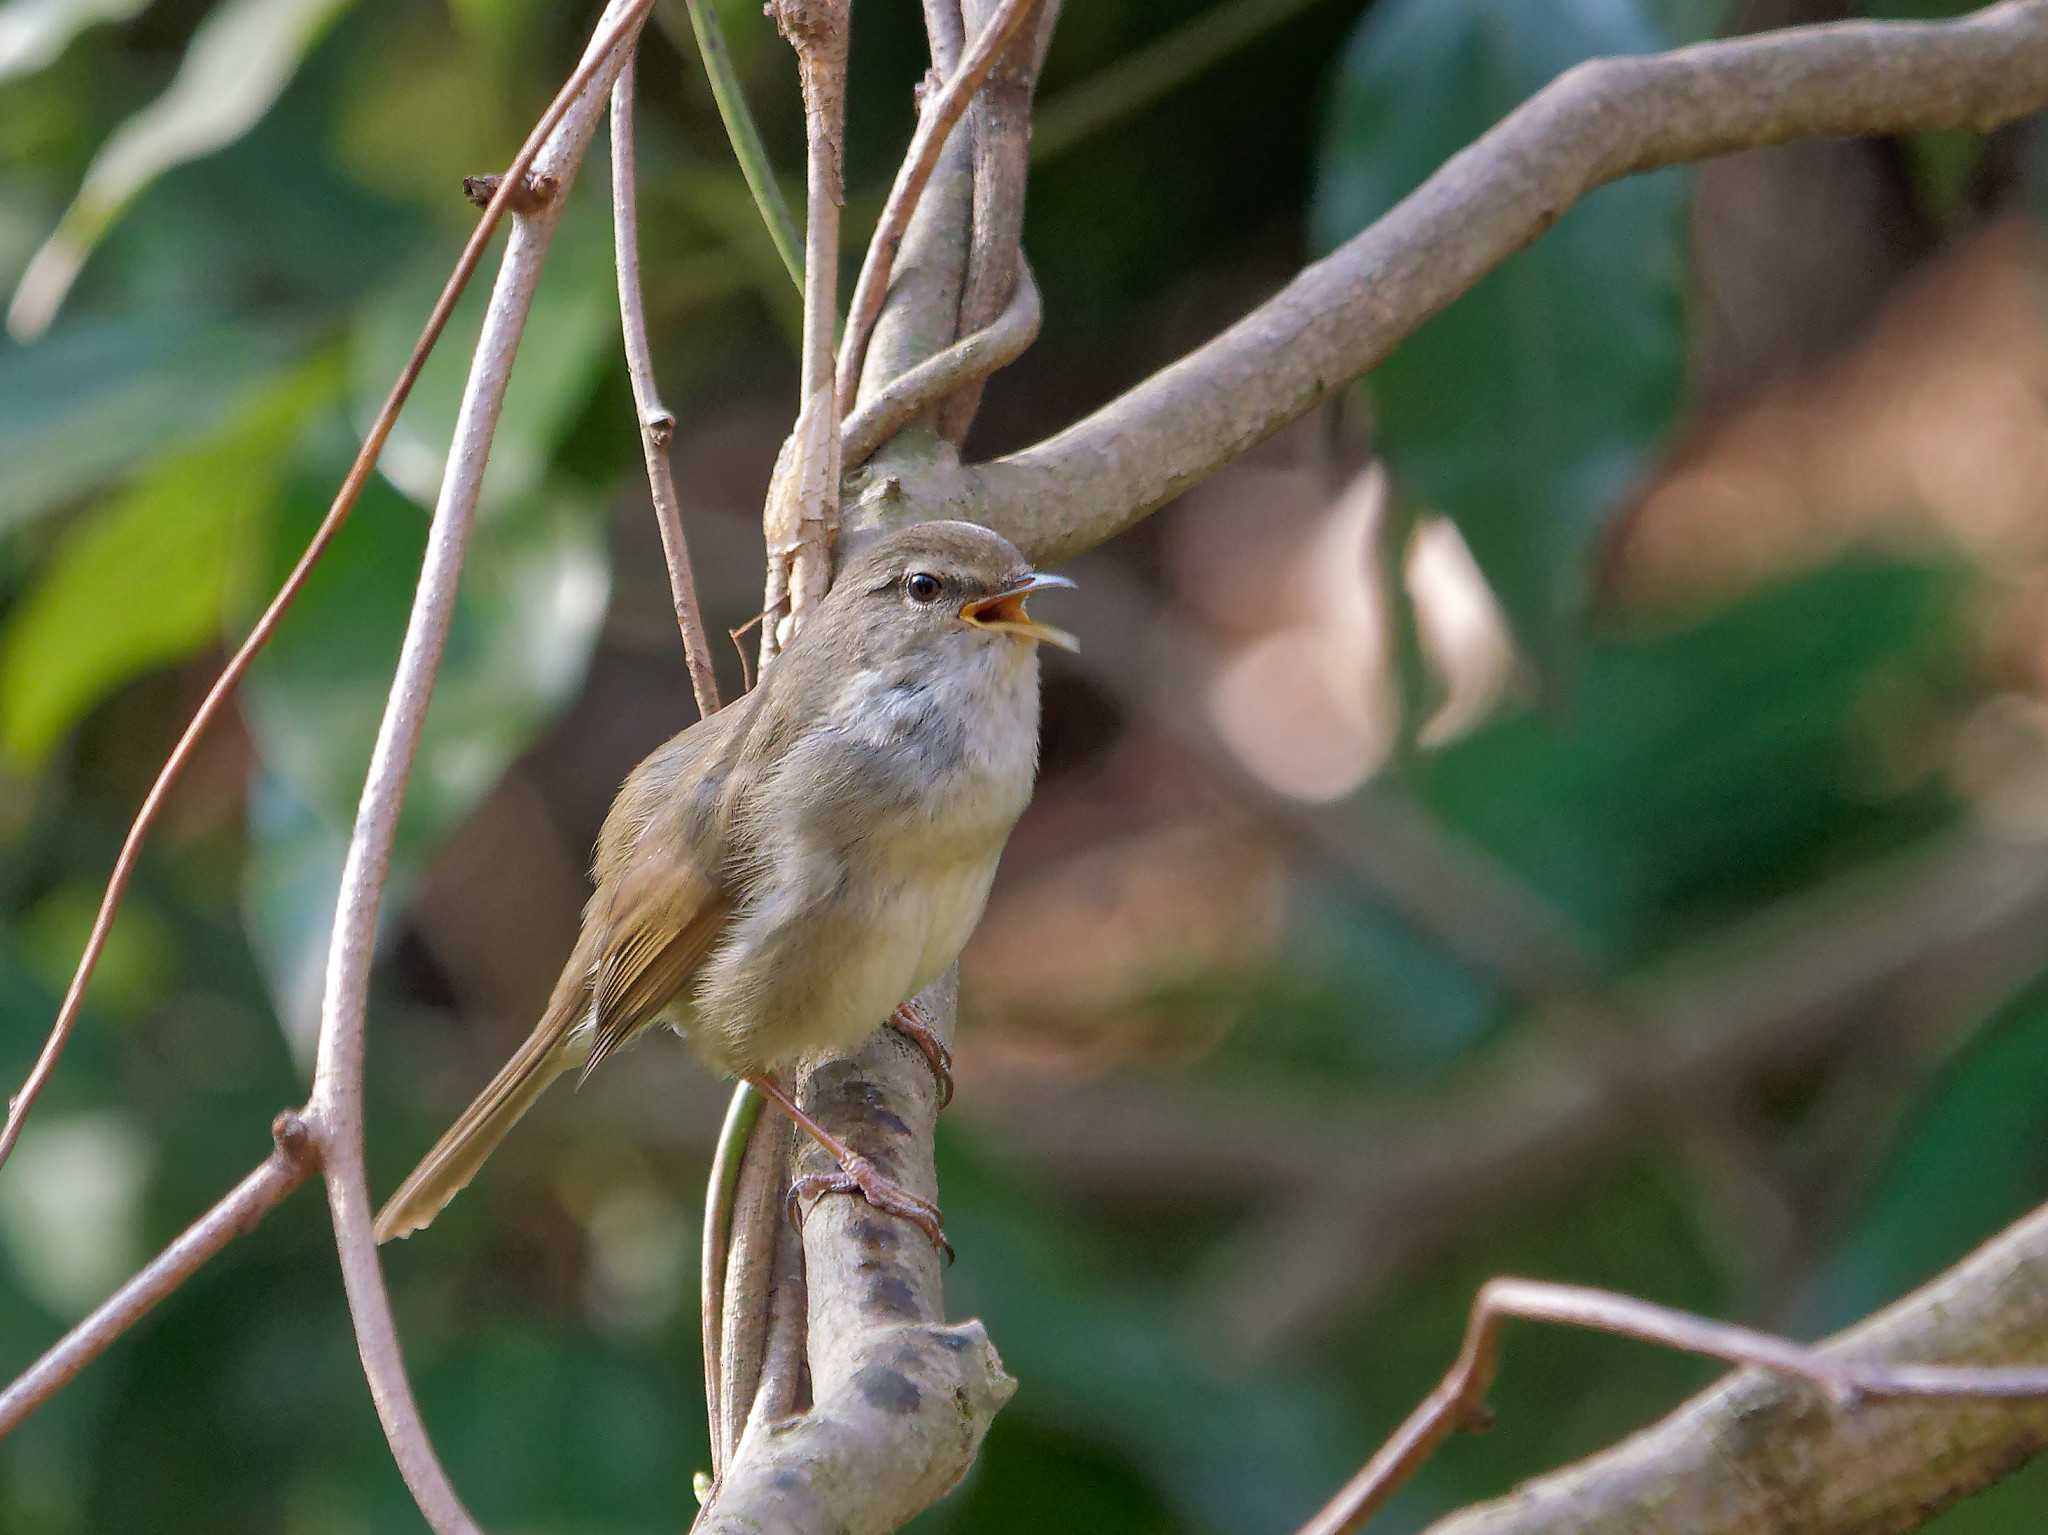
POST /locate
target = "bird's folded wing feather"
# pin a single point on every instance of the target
(663, 922)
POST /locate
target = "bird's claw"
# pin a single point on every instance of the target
(915, 1025)
(857, 1175)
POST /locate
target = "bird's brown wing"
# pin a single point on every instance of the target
(661, 902)
(663, 922)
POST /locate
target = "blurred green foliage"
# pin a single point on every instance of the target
(1508, 412)
(167, 446)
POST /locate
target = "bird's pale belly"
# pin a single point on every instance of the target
(827, 979)
(925, 927)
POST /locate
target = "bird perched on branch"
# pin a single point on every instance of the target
(777, 878)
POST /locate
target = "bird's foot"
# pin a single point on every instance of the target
(857, 1175)
(915, 1025)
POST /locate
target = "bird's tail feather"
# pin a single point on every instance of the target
(549, 1051)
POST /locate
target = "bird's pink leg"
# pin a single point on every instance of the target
(856, 1175)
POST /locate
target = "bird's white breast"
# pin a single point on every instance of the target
(874, 876)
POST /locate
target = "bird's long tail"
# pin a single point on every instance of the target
(553, 1048)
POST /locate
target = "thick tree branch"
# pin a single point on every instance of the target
(1760, 1453)
(1603, 120)
(335, 1110)
(899, 1400)
(1847, 1382)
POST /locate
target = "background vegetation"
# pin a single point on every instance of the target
(1612, 847)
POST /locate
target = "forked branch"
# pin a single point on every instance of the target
(1760, 1453)
(934, 122)
(752, 1284)
(898, 1401)
(1851, 1384)
(967, 362)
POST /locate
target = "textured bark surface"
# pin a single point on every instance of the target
(1758, 1453)
(900, 1401)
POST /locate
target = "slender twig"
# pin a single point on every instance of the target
(777, 1395)
(1459, 1399)
(756, 1225)
(509, 190)
(998, 135)
(657, 425)
(968, 360)
(336, 1106)
(1600, 121)
(745, 137)
(332, 1120)
(721, 1187)
(934, 123)
(1120, 89)
(245, 1205)
(802, 514)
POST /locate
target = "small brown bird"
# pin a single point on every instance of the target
(777, 878)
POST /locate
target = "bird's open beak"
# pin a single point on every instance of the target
(1005, 611)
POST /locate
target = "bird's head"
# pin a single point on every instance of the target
(945, 581)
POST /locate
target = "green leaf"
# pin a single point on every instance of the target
(1528, 408)
(1972, 1158)
(140, 963)
(526, 620)
(240, 60)
(1703, 770)
(82, 406)
(139, 581)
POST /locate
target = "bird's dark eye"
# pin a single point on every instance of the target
(923, 586)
